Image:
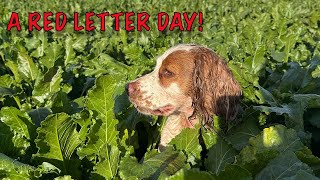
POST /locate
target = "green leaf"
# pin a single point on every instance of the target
(49, 85)
(306, 156)
(63, 178)
(6, 91)
(234, 172)
(103, 134)
(14, 69)
(220, 153)
(74, 43)
(60, 103)
(258, 61)
(104, 63)
(108, 166)
(20, 124)
(12, 169)
(57, 140)
(6, 81)
(153, 165)
(302, 175)
(239, 135)
(187, 141)
(277, 138)
(38, 115)
(191, 174)
(293, 110)
(27, 68)
(308, 100)
(70, 54)
(267, 145)
(316, 73)
(285, 165)
(10, 144)
(53, 53)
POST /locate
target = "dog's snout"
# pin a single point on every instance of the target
(131, 88)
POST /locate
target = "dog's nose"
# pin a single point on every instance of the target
(131, 88)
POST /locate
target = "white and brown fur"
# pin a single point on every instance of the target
(189, 83)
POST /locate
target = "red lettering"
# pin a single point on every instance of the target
(33, 20)
(176, 22)
(89, 22)
(46, 21)
(189, 21)
(76, 22)
(142, 22)
(116, 17)
(200, 21)
(102, 18)
(59, 27)
(162, 26)
(129, 22)
(14, 22)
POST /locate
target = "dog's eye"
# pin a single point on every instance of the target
(168, 73)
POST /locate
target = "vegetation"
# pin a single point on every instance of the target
(64, 113)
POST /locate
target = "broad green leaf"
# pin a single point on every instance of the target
(308, 100)
(234, 172)
(316, 72)
(9, 143)
(277, 138)
(153, 165)
(104, 63)
(239, 135)
(27, 68)
(258, 61)
(285, 165)
(302, 175)
(254, 162)
(188, 142)
(60, 103)
(267, 97)
(21, 126)
(39, 47)
(49, 85)
(63, 178)
(107, 167)
(293, 110)
(103, 132)
(38, 115)
(6, 91)
(14, 69)
(71, 44)
(56, 142)
(70, 54)
(13, 169)
(6, 81)
(53, 53)
(220, 153)
(292, 79)
(83, 119)
(305, 155)
(267, 145)
(79, 43)
(191, 174)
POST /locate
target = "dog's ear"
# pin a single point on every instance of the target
(215, 91)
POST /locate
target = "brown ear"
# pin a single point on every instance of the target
(215, 91)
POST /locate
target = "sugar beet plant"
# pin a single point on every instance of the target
(64, 113)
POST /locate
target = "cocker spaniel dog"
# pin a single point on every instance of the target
(189, 83)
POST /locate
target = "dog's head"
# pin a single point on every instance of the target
(188, 79)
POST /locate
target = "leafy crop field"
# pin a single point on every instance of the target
(64, 113)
